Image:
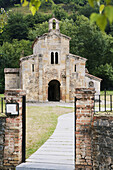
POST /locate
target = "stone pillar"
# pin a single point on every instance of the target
(57, 25)
(13, 132)
(84, 116)
(40, 79)
(12, 78)
(67, 78)
(50, 25)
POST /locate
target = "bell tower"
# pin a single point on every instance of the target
(54, 25)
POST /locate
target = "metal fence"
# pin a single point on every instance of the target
(103, 103)
(2, 104)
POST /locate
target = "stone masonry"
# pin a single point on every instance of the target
(11, 133)
(84, 117)
(94, 134)
(51, 73)
(102, 142)
(2, 140)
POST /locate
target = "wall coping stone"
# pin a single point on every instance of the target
(15, 92)
(11, 70)
(84, 91)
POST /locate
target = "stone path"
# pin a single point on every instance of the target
(51, 104)
(57, 153)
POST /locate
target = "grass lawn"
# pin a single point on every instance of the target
(107, 92)
(25, 10)
(41, 123)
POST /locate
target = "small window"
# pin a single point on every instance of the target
(91, 84)
(33, 68)
(54, 24)
(52, 58)
(56, 58)
(75, 68)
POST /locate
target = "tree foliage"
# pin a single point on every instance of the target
(10, 54)
(3, 19)
(16, 28)
(86, 38)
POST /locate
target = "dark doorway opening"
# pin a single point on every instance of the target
(54, 90)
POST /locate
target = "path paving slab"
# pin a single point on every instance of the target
(57, 153)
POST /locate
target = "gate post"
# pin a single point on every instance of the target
(84, 115)
(13, 131)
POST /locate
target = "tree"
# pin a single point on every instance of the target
(10, 54)
(16, 28)
(38, 30)
(106, 73)
(59, 12)
(3, 19)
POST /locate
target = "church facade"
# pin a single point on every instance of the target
(51, 73)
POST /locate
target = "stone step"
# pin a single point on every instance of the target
(46, 166)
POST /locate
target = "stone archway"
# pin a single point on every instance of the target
(54, 90)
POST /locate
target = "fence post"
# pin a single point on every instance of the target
(105, 99)
(84, 115)
(111, 102)
(23, 128)
(1, 105)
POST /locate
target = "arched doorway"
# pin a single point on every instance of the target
(54, 90)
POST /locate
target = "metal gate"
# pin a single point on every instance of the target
(103, 103)
(23, 128)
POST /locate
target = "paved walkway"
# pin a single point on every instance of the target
(51, 104)
(57, 153)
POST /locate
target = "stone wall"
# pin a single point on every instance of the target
(102, 142)
(11, 133)
(12, 78)
(2, 140)
(94, 134)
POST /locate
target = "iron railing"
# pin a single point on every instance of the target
(103, 103)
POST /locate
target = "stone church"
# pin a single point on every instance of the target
(51, 73)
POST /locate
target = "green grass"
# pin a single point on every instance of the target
(41, 123)
(23, 10)
(1, 95)
(108, 92)
(1, 115)
(26, 11)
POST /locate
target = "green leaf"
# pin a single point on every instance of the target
(109, 13)
(21, 1)
(37, 4)
(94, 17)
(33, 10)
(25, 3)
(108, 2)
(91, 2)
(101, 8)
(101, 21)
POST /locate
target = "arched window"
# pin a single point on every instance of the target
(56, 58)
(52, 57)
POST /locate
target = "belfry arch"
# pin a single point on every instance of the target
(53, 25)
(54, 90)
